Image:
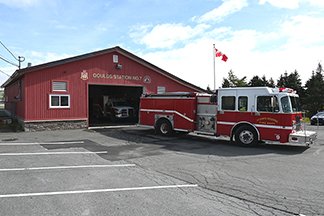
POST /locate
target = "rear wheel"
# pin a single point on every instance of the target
(246, 136)
(164, 127)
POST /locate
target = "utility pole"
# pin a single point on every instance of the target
(20, 59)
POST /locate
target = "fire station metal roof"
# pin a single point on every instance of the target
(19, 73)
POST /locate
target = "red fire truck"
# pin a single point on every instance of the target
(246, 115)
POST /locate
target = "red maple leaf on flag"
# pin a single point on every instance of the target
(219, 54)
(224, 58)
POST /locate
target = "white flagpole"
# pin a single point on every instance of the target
(214, 56)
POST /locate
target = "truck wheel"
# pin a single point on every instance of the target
(164, 127)
(246, 136)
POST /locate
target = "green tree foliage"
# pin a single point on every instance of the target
(314, 93)
(271, 83)
(233, 81)
(292, 81)
(257, 81)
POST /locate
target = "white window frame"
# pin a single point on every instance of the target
(115, 58)
(59, 106)
(161, 90)
(60, 90)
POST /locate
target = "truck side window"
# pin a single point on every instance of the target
(228, 103)
(243, 103)
(267, 104)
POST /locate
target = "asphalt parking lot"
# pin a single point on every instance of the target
(132, 171)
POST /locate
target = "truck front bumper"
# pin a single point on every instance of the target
(303, 137)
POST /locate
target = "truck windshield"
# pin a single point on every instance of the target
(290, 104)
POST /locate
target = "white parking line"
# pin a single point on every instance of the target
(50, 153)
(41, 143)
(66, 167)
(95, 191)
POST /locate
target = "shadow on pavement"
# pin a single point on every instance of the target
(139, 142)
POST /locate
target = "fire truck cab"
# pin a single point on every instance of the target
(246, 115)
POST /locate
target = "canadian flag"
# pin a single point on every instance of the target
(224, 58)
(220, 54)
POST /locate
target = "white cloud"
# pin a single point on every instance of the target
(166, 35)
(304, 30)
(228, 7)
(20, 3)
(36, 57)
(316, 3)
(192, 62)
(288, 4)
(297, 44)
(4, 72)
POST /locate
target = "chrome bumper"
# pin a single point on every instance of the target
(303, 137)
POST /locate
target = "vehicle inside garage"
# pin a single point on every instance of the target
(113, 105)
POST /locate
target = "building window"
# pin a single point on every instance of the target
(243, 103)
(59, 86)
(160, 89)
(115, 58)
(228, 103)
(59, 101)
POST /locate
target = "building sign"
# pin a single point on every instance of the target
(120, 77)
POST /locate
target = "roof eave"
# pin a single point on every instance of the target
(18, 73)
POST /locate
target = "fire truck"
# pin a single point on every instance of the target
(246, 115)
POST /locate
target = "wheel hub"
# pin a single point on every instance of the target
(246, 137)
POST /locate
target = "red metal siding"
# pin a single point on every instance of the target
(171, 107)
(95, 70)
(264, 119)
(15, 98)
(39, 88)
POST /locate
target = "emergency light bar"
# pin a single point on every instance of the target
(287, 90)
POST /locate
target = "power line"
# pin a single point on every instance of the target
(9, 62)
(9, 51)
(4, 73)
(19, 59)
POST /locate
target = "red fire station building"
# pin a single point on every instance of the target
(97, 88)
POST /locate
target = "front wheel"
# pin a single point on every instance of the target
(163, 127)
(246, 135)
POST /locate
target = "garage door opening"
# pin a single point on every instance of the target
(113, 105)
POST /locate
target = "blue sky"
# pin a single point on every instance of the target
(260, 37)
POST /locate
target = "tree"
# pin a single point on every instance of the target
(271, 83)
(257, 81)
(282, 82)
(233, 81)
(314, 100)
(209, 90)
(292, 81)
